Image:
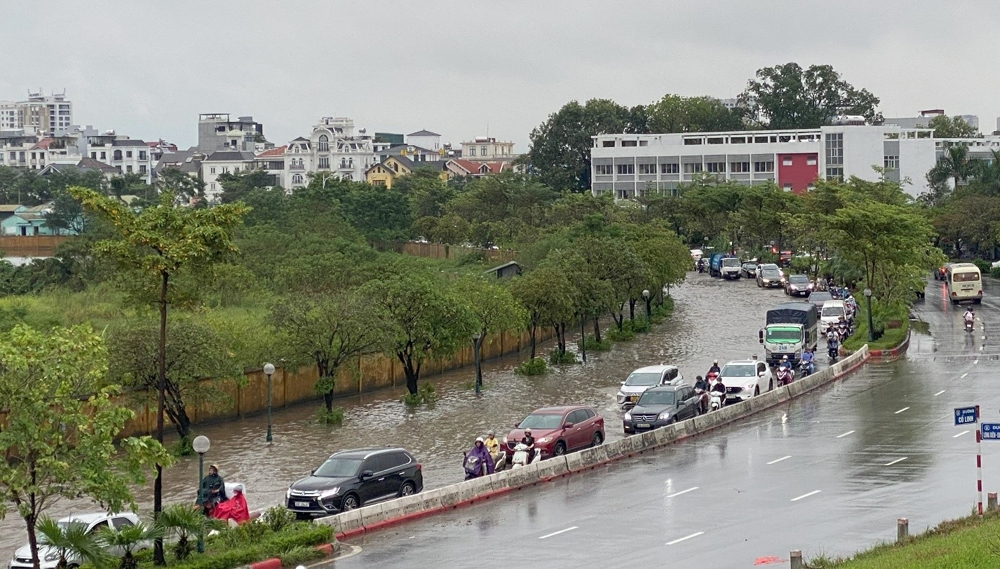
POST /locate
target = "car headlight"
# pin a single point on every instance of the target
(329, 493)
(621, 397)
(53, 556)
(664, 416)
(766, 281)
(628, 416)
(544, 440)
(288, 494)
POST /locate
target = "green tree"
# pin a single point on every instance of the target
(560, 147)
(547, 297)
(71, 541)
(154, 245)
(128, 539)
(787, 96)
(58, 437)
(503, 208)
(952, 127)
(419, 318)
(674, 113)
(184, 522)
(954, 165)
(236, 187)
(327, 330)
(377, 213)
(183, 187)
(493, 308)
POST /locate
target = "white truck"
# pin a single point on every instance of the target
(788, 330)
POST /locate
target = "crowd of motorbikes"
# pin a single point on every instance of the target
(486, 459)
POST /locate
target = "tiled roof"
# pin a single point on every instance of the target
(274, 152)
(230, 156)
(91, 164)
(423, 133)
(128, 142)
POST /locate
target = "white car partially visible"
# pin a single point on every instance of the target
(48, 558)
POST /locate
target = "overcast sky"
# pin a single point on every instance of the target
(147, 69)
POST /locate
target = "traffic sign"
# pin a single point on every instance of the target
(991, 431)
(965, 415)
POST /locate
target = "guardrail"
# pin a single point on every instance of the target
(378, 516)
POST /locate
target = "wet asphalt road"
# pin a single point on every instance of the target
(713, 319)
(828, 473)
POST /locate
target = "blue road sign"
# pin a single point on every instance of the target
(965, 415)
(991, 431)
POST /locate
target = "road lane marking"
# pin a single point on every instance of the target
(960, 434)
(963, 375)
(779, 460)
(806, 495)
(682, 492)
(845, 434)
(687, 537)
(897, 460)
(558, 532)
(901, 410)
(939, 393)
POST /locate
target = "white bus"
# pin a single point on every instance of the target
(965, 282)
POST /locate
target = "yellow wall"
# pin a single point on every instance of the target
(380, 176)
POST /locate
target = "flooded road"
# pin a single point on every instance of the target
(712, 319)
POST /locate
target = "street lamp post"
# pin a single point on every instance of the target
(868, 300)
(583, 338)
(269, 371)
(645, 296)
(201, 445)
(476, 338)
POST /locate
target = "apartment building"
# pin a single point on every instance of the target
(487, 149)
(631, 165)
(217, 131)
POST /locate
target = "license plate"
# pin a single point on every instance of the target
(302, 504)
(967, 287)
(642, 425)
(632, 398)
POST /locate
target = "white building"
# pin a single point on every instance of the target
(424, 139)
(9, 118)
(223, 162)
(632, 165)
(487, 148)
(332, 147)
(217, 131)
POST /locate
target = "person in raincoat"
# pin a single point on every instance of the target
(480, 452)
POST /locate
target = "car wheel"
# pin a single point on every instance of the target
(756, 391)
(597, 440)
(407, 489)
(560, 449)
(351, 502)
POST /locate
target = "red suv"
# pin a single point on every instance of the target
(558, 430)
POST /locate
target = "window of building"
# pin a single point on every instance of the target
(716, 167)
(608, 143)
(787, 187)
(626, 169)
(211, 170)
(297, 179)
(128, 169)
(118, 155)
(236, 169)
(739, 167)
(213, 185)
(716, 140)
(104, 156)
(142, 155)
(892, 162)
(630, 143)
(834, 144)
(324, 163)
(810, 161)
(604, 170)
(692, 168)
(692, 141)
(482, 151)
(643, 143)
(786, 161)
(324, 144)
(93, 155)
(472, 151)
(128, 154)
(32, 155)
(670, 168)
(142, 168)
(647, 168)
(622, 194)
(763, 166)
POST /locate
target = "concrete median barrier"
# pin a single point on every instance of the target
(552, 468)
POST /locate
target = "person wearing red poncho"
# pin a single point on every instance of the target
(234, 508)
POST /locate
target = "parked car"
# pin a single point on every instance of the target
(353, 478)
(558, 430)
(642, 379)
(661, 406)
(770, 278)
(749, 269)
(798, 285)
(745, 379)
(48, 558)
(818, 297)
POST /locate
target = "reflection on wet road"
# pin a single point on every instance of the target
(828, 473)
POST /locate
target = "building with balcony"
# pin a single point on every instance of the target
(487, 149)
(632, 165)
(216, 131)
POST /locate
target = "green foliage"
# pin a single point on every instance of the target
(995, 273)
(674, 113)
(593, 345)
(226, 553)
(185, 523)
(244, 535)
(334, 416)
(299, 555)
(625, 334)
(127, 539)
(984, 266)
(52, 384)
(559, 358)
(278, 518)
(532, 366)
(72, 542)
(425, 394)
(236, 187)
(952, 127)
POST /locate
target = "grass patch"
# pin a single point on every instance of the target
(533, 366)
(965, 543)
(594, 346)
(891, 337)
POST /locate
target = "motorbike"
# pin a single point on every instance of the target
(844, 329)
(785, 375)
(701, 266)
(832, 349)
(701, 394)
(499, 460)
(474, 467)
(807, 368)
(718, 400)
(969, 325)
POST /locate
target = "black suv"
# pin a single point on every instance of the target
(353, 478)
(661, 406)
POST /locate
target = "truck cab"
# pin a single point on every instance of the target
(789, 329)
(730, 267)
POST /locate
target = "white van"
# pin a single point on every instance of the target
(964, 282)
(830, 314)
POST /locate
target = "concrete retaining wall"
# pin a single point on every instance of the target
(397, 511)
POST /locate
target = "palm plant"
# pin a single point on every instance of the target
(71, 542)
(184, 522)
(127, 539)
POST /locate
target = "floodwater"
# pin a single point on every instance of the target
(712, 319)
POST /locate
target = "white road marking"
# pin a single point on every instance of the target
(559, 532)
(806, 495)
(845, 434)
(779, 459)
(696, 534)
(964, 375)
(901, 410)
(960, 434)
(975, 362)
(939, 393)
(682, 492)
(897, 460)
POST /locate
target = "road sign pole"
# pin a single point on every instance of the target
(979, 463)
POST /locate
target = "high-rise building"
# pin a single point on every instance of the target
(217, 132)
(50, 115)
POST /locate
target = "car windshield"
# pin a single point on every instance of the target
(770, 274)
(541, 421)
(656, 398)
(740, 370)
(749, 266)
(643, 379)
(769, 267)
(833, 311)
(339, 468)
(798, 279)
(820, 297)
(965, 277)
(783, 334)
(730, 262)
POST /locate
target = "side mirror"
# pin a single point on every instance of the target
(623, 382)
(367, 474)
(515, 425)
(568, 426)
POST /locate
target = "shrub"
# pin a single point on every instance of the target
(278, 518)
(564, 358)
(594, 346)
(995, 273)
(425, 394)
(293, 536)
(534, 366)
(182, 447)
(984, 266)
(333, 417)
(299, 555)
(243, 535)
(626, 334)
(640, 325)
